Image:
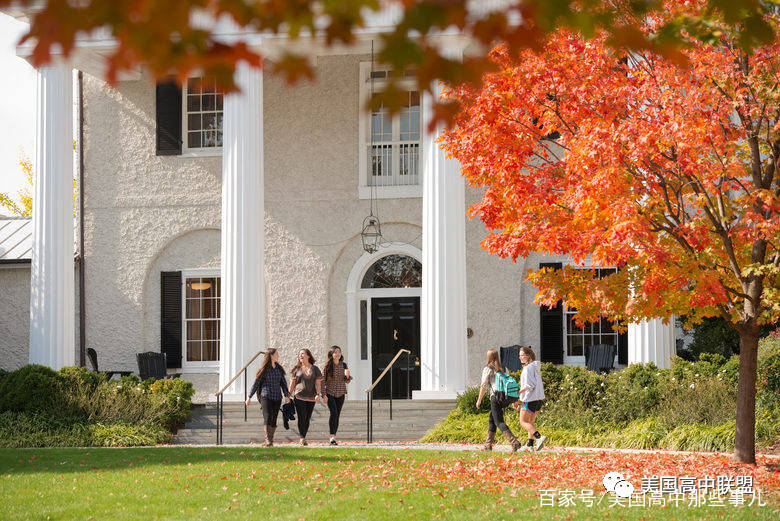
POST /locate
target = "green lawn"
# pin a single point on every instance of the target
(346, 483)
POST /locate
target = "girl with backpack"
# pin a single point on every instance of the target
(532, 396)
(307, 390)
(492, 372)
(336, 378)
(269, 385)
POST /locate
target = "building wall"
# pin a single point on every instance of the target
(146, 214)
(15, 316)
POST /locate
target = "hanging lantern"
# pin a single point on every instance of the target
(371, 234)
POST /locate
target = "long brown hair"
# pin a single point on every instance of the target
(528, 351)
(298, 363)
(492, 359)
(329, 364)
(266, 365)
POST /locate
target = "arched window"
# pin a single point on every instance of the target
(393, 271)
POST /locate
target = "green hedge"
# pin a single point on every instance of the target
(691, 406)
(75, 407)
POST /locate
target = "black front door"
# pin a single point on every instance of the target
(395, 324)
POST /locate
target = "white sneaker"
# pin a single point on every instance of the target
(526, 448)
(540, 442)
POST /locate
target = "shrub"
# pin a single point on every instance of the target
(31, 388)
(631, 393)
(705, 400)
(75, 407)
(80, 376)
(467, 402)
(177, 395)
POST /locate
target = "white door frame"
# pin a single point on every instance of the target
(361, 370)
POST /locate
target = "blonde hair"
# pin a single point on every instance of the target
(529, 352)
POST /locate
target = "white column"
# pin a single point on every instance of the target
(52, 292)
(651, 341)
(242, 331)
(443, 314)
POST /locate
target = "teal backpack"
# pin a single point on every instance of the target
(507, 386)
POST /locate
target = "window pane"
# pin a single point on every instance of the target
(208, 102)
(193, 103)
(193, 308)
(218, 99)
(381, 125)
(193, 351)
(575, 345)
(209, 308)
(193, 85)
(193, 330)
(193, 122)
(209, 85)
(193, 139)
(207, 287)
(382, 160)
(210, 351)
(394, 271)
(210, 330)
(209, 138)
(409, 159)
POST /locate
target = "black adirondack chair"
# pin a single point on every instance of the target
(92, 355)
(153, 365)
(600, 358)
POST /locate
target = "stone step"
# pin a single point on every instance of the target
(411, 420)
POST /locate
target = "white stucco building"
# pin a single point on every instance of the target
(214, 226)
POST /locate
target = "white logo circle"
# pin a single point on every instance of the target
(611, 479)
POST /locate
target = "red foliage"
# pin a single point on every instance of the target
(630, 159)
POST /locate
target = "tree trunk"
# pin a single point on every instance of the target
(745, 439)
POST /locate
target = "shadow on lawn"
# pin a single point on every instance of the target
(62, 461)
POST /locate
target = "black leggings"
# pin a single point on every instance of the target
(303, 409)
(496, 418)
(335, 405)
(270, 411)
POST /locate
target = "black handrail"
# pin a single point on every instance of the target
(221, 397)
(370, 393)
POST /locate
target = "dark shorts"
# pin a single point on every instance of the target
(533, 406)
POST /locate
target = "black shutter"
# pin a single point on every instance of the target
(622, 357)
(168, 119)
(170, 316)
(551, 326)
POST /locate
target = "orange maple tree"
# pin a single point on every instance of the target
(628, 159)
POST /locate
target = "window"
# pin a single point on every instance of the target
(596, 333)
(202, 115)
(201, 319)
(390, 147)
(364, 329)
(393, 271)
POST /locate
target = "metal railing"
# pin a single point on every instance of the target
(221, 398)
(370, 393)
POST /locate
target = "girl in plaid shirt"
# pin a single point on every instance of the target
(269, 385)
(336, 378)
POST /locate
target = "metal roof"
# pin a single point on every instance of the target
(15, 239)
